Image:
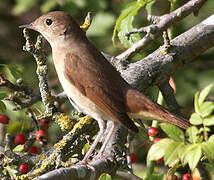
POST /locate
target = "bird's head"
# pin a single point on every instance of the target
(54, 25)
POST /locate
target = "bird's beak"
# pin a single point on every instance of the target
(28, 26)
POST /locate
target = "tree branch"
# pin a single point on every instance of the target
(169, 97)
(156, 67)
(111, 161)
(154, 31)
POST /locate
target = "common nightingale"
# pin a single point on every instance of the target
(92, 84)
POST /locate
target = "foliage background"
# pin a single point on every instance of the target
(13, 13)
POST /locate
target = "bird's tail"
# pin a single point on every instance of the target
(139, 106)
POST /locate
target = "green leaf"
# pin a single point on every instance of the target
(206, 108)
(211, 138)
(155, 176)
(195, 119)
(126, 26)
(18, 148)
(182, 153)
(209, 166)
(105, 177)
(23, 6)
(14, 70)
(157, 150)
(204, 93)
(172, 131)
(204, 129)
(149, 7)
(86, 147)
(192, 133)
(3, 95)
(171, 154)
(196, 104)
(124, 22)
(12, 171)
(208, 148)
(193, 155)
(209, 120)
(48, 6)
(104, 21)
(2, 106)
(11, 72)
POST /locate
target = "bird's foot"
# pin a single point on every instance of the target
(83, 162)
(98, 156)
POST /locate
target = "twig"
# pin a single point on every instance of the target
(9, 85)
(155, 30)
(22, 95)
(169, 96)
(31, 115)
(41, 71)
(128, 157)
(20, 103)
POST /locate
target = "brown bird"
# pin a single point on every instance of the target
(91, 83)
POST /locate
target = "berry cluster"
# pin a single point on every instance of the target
(20, 139)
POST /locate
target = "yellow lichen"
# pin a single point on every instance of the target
(42, 157)
(80, 124)
(65, 122)
(164, 52)
(53, 158)
(37, 160)
(38, 47)
(49, 99)
(66, 164)
(60, 144)
(43, 168)
(22, 177)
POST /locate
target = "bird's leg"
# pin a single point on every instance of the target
(102, 126)
(113, 128)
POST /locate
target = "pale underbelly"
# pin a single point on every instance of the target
(81, 102)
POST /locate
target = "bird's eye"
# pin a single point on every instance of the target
(49, 22)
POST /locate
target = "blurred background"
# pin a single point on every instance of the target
(13, 13)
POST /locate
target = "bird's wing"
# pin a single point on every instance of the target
(96, 79)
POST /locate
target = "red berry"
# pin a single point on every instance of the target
(44, 123)
(24, 168)
(34, 150)
(20, 139)
(152, 131)
(133, 157)
(186, 177)
(4, 119)
(41, 135)
(170, 177)
(159, 160)
(156, 140)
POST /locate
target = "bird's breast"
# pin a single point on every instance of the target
(77, 99)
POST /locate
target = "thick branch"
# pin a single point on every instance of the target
(156, 68)
(111, 161)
